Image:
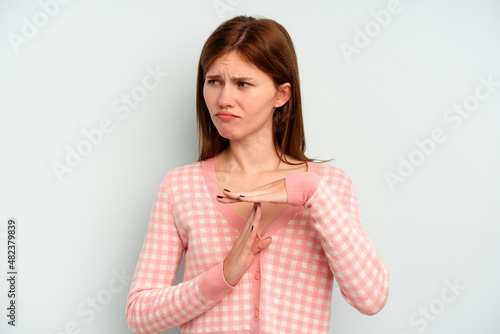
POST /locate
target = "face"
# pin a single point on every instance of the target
(241, 98)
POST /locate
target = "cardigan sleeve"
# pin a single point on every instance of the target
(362, 276)
(154, 303)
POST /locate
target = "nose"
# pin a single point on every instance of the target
(226, 97)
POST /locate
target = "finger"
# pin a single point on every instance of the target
(255, 192)
(256, 218)
(247, 230)
(231, 195)
(238, 199)
(250, 220)
(226, 200)
(266, 198)
(274, 192)
(259, 191)
(260, 245)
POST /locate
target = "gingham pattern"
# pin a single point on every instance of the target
(289, 285)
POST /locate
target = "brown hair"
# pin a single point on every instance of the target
(267, 45)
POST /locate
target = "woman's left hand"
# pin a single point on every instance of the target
(274, 192)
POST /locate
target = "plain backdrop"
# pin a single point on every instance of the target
(405, 95)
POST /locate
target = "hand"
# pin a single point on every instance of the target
(241, 256)
(274, 192)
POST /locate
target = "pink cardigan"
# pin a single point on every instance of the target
(288, 288)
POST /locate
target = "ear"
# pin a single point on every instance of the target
(284, 92)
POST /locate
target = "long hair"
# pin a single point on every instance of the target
(267, 45)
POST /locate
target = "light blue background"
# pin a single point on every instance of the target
(77, 235)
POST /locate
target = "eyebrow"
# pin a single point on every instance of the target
(216, 76)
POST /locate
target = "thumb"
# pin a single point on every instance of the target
(261, 244)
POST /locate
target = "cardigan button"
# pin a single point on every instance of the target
(257, 275)
(256, 313)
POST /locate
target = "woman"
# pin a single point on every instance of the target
(263, 229)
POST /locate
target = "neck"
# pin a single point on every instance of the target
(250, 156)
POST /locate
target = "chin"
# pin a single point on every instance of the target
(229, 135)
(226, 135)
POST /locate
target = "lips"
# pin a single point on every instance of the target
(226, 116)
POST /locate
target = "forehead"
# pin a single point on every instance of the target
(232, 61)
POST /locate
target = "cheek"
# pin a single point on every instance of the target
(210, 97)
(205, 96)
(262, 104)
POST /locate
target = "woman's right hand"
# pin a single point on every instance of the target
(241, 256)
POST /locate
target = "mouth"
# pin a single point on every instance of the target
(226, 116)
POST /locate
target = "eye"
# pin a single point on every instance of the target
(243, 84)
(213, 82)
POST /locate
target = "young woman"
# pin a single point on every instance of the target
(264, 230)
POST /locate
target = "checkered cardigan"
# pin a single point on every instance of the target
(288, 288)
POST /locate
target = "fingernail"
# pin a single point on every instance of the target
(226, 190)
(242, 196)
(219, 196)
(269, 238)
